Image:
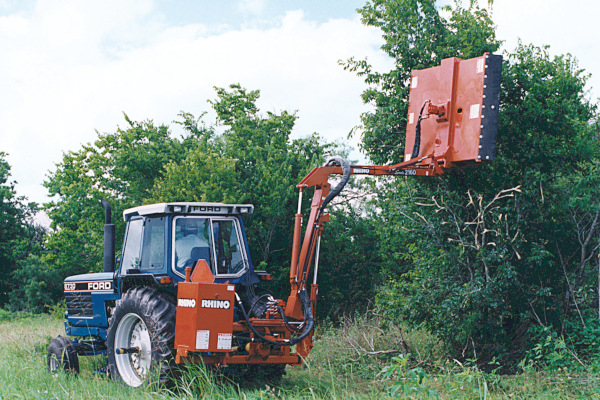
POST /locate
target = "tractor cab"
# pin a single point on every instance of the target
(164, 239)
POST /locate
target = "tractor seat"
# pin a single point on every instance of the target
(199, 253)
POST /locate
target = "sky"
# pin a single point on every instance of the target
(71, 68)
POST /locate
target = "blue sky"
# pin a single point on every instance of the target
(69, 68)
(235, 14)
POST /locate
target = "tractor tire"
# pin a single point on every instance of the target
(62, 355)
(144, 319)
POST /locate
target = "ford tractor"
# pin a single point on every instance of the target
(185, 290)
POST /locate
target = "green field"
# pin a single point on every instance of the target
(339, 368)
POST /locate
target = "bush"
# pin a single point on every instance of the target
(36, 287)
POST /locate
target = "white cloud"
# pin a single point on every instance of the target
(568, 27)
(252, 6)
(72, 67)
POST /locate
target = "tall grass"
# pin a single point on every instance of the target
(349, 361)
(23, 374)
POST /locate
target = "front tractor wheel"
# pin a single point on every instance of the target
(141, 337)
(62, 355)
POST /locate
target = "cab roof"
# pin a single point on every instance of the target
(189, 209)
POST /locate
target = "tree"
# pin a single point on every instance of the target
(477, 258)
(11, 227)
(36, 286)
(350, 261)
(253, 161)
(121, 167)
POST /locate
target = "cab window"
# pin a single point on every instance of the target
(153, 246)
(228, 251)
(133, 242)
(193, 242)
(215, 240)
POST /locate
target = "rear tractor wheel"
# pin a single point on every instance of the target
(141, 337)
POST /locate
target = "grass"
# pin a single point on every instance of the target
(340, 367)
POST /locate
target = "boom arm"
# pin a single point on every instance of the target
(318, 178)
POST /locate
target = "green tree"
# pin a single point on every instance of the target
(36, 286)
(253, 161)
(349, 262)
(121, 167)
(477, 256)
(11, 228)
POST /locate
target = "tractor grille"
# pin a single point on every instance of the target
(79, 304)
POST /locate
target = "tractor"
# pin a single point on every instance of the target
(184, 289)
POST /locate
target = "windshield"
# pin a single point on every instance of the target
(215, 240)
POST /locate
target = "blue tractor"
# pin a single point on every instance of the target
(129, 313)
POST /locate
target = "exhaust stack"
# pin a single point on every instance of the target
(109, 239)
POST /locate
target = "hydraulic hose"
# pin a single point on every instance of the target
(346, 171)
(417, 145)
(308, 316)
(286, 322)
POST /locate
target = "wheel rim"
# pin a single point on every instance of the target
(132, 332)
(53, 363)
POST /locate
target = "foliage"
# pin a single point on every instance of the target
(58, 309)
(36, 286)
(254, 161)
(350, 261)
(19, 235)
(482, 254)
(463, 285)
(11, 226)
(120, 167)
(576, 349)
(411, 381)
(6, 315)
(549, 351)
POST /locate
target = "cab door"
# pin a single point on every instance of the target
(144, 250)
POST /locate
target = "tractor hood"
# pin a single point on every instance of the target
(102, 281)
(99, 276)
